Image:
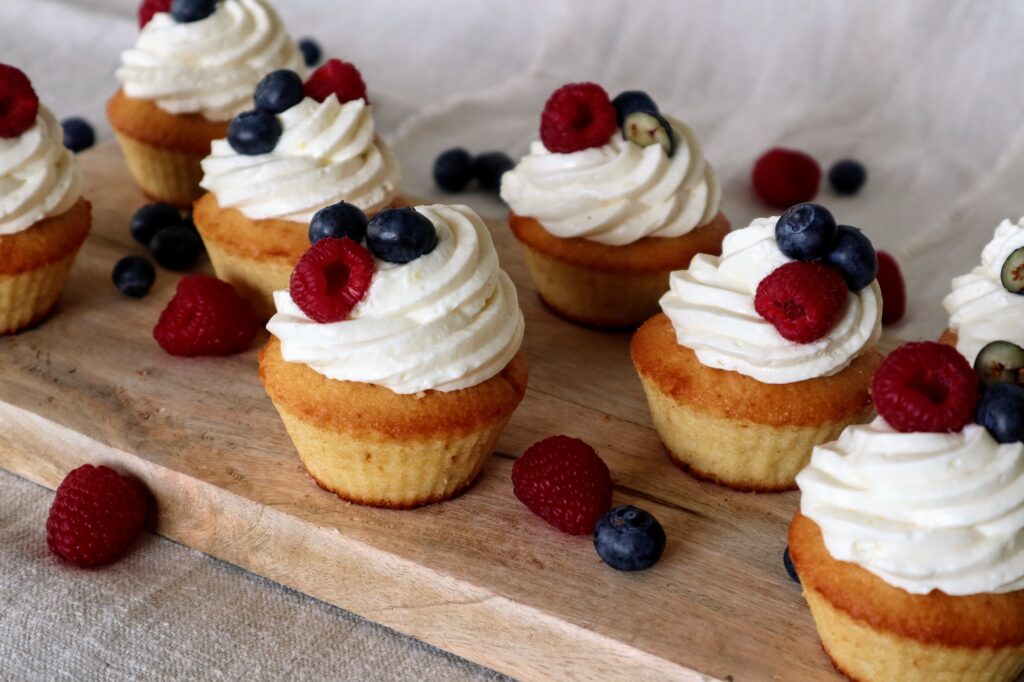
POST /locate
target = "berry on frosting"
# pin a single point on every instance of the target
(805, 231)
(1001, 412)
(339, 220)
(627, 102)
(925, 386)
(278, 91)
(1012, 272)
(894, 291)
(803, 301)
(187, 11)
(19, 104)
(254, 132)
(854, 256)
(400, 235)
(577, 116)
(628, 538)
(645, 128)
(565, 482)
(488, 168)
(847, 176)
(783, 177)
(331, 278)
(336, 77)
(150, 7)
(206, 317)
(1000, 362)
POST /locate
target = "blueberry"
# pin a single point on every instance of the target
(489, 167)
(854, 256)
(176, 247)
(152, 218)
(340, 220)
(787, 561)
(134, 276)
(627, 102)
(629, 539)
(310, 50)
(78, 134)
(254, 132)
(847, 176)
(187, 11)
(649, 127)
(805, 231)
(1000, 362)
(453, 169)
(400, 235)
(1012, 273)
(1001, 411)
(278, 91)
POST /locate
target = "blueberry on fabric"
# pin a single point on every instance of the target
(79, 134)
(453, 169)
(311, 52)
(847, 176)
(489, 167)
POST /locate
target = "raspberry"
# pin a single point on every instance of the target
(577, 116)
(783, 177)
(565, 482)
(19, 104)
(331, 278)
(206, 317)
(150, 7)
(95, 516)
(894, 291)
(336, 77)
(802, 300)
(925, 386)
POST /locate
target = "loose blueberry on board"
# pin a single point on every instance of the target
(78, 134)
(1012, 274)
(1001, 412)
(999, 362)
(645, 128)
(134, 276)
(783, 177)
(310, 50)
(854, 256)
(787, 561)
(340, 220)
(489, 167)
(627, 102)
(453, 169)
(150, 219)
(278, 91)
(400, 235)
(629, 539)
(847, 176)
(254, 132)
(805, 231)
(176, 247)
(187, 11)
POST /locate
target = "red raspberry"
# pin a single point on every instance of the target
(577, 116)
(925, 386)
(95, 516)
(336, 77)
(206, 317)
(894, 291)
(783, 177)
(565, 482)
(19, 103)
(331, 278)
(802, 300)
(150, 7)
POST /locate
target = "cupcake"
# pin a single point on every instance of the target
(909, 541)
(764, 352)
(304, 148)
(191, 70)
(612, 199)
(43, 217)
(395, 366)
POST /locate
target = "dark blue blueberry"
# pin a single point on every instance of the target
(1000, 362)
(340, 220)
(645, 128)
(254, 132)
(1001, 411)
(152, 218)
(453, 170)
(310, 50)
(854, 256)
(400, 235)
(278, 91)
(847, 176)
(176, 247)
(629, 539)
(787, 561)
(78, 134)
(1012, 272)
(187, 11)
(489, 167)
(805, 231)
(134, 276)
(627, 102)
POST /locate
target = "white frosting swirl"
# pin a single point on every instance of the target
(980, 308)
(211, 66)
(327, 153)
(445, 321)
(617, 193)
(39, 177)
(922, 511)
(711, 306)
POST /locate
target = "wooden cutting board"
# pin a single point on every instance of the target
(479, 576)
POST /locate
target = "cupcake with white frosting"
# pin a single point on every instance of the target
(190, 71)
(611, 199)
(396, 365)
(43, 217)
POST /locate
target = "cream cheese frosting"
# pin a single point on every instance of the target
(617, 193)
(327, 153)
(922, 511)
(711, 306)
(448, 320)
(210, 66)
(39, 177)
(980, 308)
